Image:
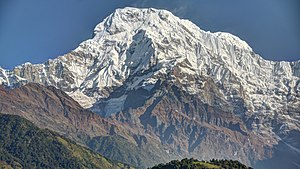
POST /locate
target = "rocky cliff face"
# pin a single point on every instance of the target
(51, 108)
(198, 93)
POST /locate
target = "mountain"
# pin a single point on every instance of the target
(23, 145)
(51, 108)
(166, 83)
(48, 107)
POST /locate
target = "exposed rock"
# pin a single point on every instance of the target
(153, 76)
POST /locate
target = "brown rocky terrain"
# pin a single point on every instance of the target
(51, 108)
(168, 124)
(160, 88)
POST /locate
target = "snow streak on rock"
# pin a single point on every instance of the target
(134, 48)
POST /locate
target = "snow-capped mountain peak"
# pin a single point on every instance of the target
(147, 67)
(133, 48)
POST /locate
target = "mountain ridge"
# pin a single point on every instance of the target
(23, 145)
(97, 66)
(148, 54)
(52, 109)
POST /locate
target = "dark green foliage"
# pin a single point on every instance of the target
(229, 164)
(195, 164)
(22, 142)
(24, 145)
(117, 148)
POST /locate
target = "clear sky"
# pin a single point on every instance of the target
(37, 30)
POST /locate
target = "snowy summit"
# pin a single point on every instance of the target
(134, 48)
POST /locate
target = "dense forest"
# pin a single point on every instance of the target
(196, 164)
(23, 145)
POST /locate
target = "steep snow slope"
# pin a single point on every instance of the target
(134, 49)
(133, 41)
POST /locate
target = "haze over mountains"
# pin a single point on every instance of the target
(150, 87)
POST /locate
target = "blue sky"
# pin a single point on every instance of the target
(37, 30)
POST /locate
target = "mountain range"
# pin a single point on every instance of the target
(150, 87)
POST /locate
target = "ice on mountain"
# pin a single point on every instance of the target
(135, 47)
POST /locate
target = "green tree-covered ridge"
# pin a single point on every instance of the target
(196, 164)
(23, 145)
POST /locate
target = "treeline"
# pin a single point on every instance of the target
(196, 164)
(234, 164)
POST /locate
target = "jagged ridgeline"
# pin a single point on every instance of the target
(23, 145)
(157, 88)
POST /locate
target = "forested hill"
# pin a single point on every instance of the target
(23, 145)
(196, 164)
